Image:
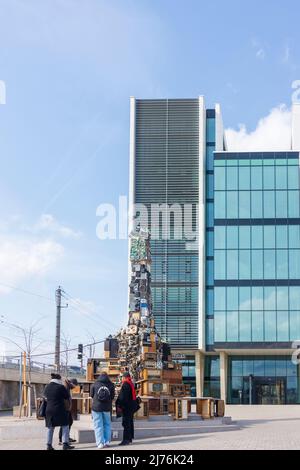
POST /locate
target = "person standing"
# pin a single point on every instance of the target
(103, 393)
(57, 414)
(69, 384)
(127, 402)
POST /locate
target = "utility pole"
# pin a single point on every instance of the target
(58, 295)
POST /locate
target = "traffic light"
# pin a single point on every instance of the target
(80, 352)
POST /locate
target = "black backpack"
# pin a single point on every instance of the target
(103, 393)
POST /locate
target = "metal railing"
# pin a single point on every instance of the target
(41, 368)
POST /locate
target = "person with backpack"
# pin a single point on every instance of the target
(102, 393)
(128, 402)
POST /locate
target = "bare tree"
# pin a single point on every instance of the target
(92, 344)
(66, 343)
(30, 338)
(29, 341)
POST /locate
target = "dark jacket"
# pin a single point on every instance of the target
(102, 381)
(125, 399)
(56, 412)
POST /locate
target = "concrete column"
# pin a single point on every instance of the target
(223, 375)
(200, 361)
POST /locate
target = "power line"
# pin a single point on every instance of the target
(64, 351)
(26, 292)
(83, 309)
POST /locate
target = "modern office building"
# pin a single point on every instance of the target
(229, 303)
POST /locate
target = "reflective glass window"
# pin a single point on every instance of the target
(282, 325)
(281, 177)
(269, 264)
(281, 236)
(269, 236)
(282, 297)
(244, 265)
(257, 326)
(293, 177)
(293, 209)
(256, 177)
(294, 264)
(257, 236)
(270, 325)
(220, 264)
(232, 204)
(220, 178)
(281, 204)
(244, 178)
(210, 243)
(220, 326)
(245, 298)
(232, 178)
(232, 298)
(257, 298)
(209, 301)
(270, 367)
(245, 326)
(294, 236)
(256, 204)
(232, 325)
(257, 264)
(220, 298)
(294, 298)
(244, 205)
(269, 204)
(232, 264)
(295, 325)
(282, 264)
(270, 298)
(232, 236)
(210, 186)
(244, 237)
(269, 177)
(220, 237)
(220, 204)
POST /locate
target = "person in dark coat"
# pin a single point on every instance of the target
(103, 393)
(126, 401)
(57, 413)
(69, 384)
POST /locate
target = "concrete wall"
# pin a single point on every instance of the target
(9, 393)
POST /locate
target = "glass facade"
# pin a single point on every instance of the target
(167, 172)
(252, 257)
(256, 248)
(212, 377)
(262, 380)
(188, 372)
(209, 275)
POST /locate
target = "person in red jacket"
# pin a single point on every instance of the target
(127, 402)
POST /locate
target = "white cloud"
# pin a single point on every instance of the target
(260, 54)
(272, 132)
(21, 258)
(48, 223)
(260, 49)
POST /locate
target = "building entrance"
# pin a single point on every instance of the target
(269, 391)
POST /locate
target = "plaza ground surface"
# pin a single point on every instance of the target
(259, 427)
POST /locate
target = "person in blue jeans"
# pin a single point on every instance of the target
(103, 393)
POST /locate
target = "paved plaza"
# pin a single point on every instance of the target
(258, 427)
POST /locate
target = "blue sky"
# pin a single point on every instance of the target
(69, 68)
